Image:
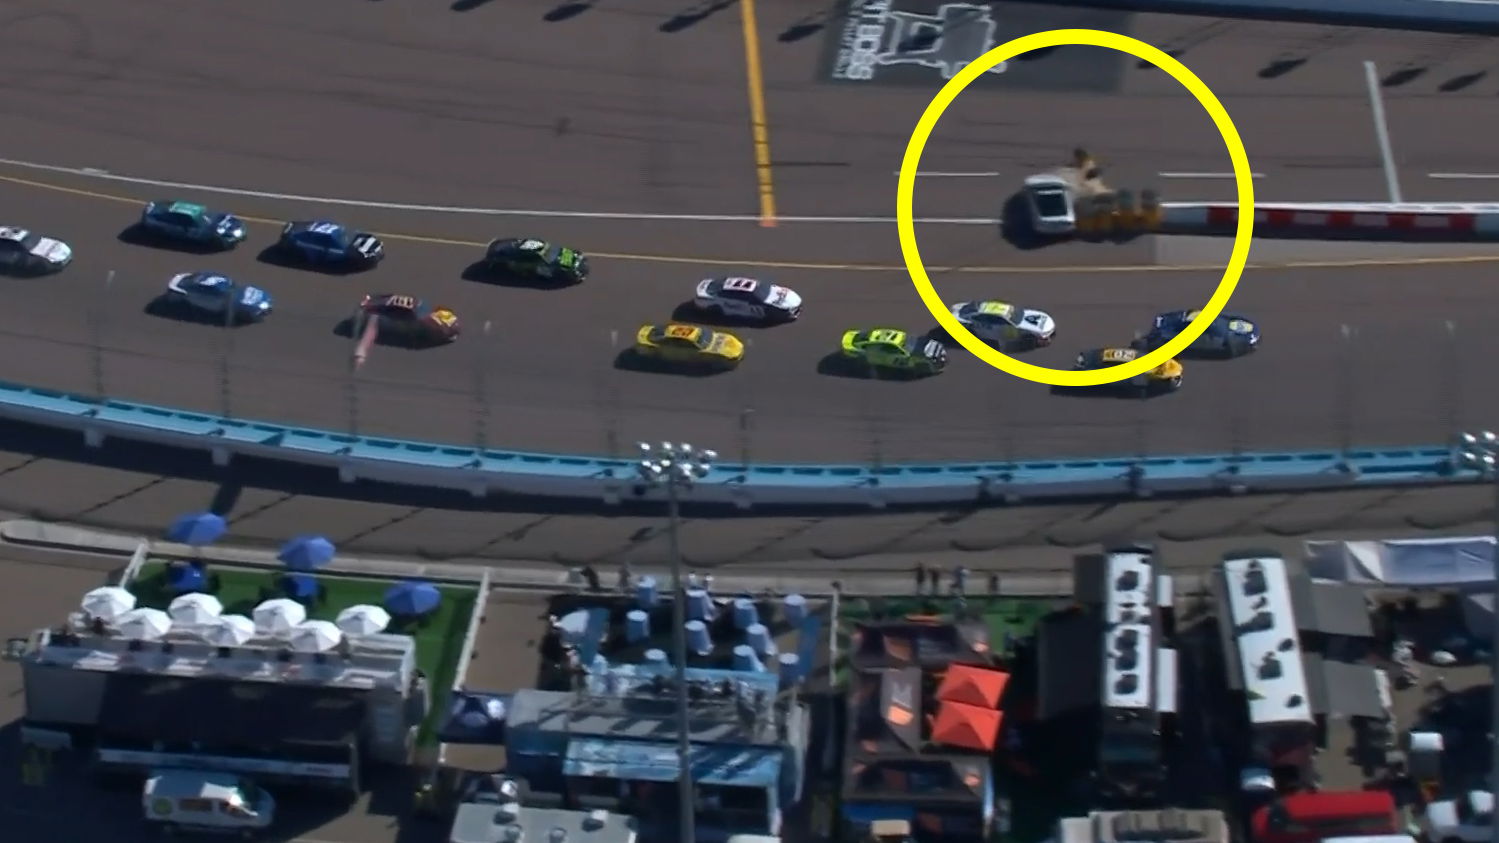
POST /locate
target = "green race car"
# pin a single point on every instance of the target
(537, 260)
(894, 352)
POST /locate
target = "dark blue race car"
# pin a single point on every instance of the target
(1226, 336)
(323, 243)
(186, 222)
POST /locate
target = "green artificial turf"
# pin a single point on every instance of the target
(439, 639)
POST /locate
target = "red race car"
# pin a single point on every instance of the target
(407, 319)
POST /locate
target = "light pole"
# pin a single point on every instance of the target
(1481, 452)
(675, 467)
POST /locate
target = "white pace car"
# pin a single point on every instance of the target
(1050, 201)
(1003, 324)
(747, 298)
(24, 252)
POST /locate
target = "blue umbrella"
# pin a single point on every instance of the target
(412, 597)
(304, 553)
(197, 529)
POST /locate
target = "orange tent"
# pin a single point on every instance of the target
(967, 726)
(965, 683)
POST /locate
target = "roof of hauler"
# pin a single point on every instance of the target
(1128, 641)
(1263, 626)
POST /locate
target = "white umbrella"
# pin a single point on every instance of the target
(108, 602)
(144, 624)
(195, 609)
(279, 615)
(229, 631)
(363, 620)
(315, 637)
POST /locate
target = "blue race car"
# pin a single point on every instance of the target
(1226, 336)
(186, 222)
(323, 243)
(211, 294)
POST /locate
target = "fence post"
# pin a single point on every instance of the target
(226, 354)
(1345, 389)
(746, 424)
(1453, 380)
(97, 331)
(481, 391)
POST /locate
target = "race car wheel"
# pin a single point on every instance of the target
(1175, 383)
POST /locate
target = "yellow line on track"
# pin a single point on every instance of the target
(759, 125)
(817, 266)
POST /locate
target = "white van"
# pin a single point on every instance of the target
(211, 802)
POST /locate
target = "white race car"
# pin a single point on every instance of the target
(25, 252)
(212, 294)
(747, 298)
(1469, 818)
(1050, 201)
(1003, 324)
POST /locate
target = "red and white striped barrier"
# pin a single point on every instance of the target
(1374, 218)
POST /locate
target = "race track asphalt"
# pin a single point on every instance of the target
(593, 107)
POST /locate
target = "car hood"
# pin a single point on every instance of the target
(785, 298)
(1037, 322)
(726, 345)
(53, 250)
(254, 297)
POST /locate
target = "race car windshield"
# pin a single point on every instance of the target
(1051, 202)
(31, 241)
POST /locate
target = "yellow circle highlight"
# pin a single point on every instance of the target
(905, 188)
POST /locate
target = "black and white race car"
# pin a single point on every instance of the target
(748, 299)
(24, 252)
(1004, 325)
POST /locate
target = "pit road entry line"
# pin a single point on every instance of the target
(759, 127)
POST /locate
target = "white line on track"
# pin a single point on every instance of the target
(96, 173)
(948, 174)
(1462, 175)
(1205, 175)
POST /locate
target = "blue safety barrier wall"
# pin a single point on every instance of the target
(613, 480)
(1463, 17)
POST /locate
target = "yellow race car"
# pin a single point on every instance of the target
(1166, 377)
(689, 346)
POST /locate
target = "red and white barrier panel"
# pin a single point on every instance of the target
(1373, 218)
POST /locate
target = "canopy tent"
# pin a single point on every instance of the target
(967, 726)
(965, 683)
(1418, 563)
(144, 624)
(363, 619)
(885, 713)
(195, 609)
(197, 528)
(306, 553)
(229, 631)
(909, 643)
(108, 602)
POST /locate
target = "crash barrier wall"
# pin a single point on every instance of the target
(1478, 221)
(612, 481)
(1463, 17)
